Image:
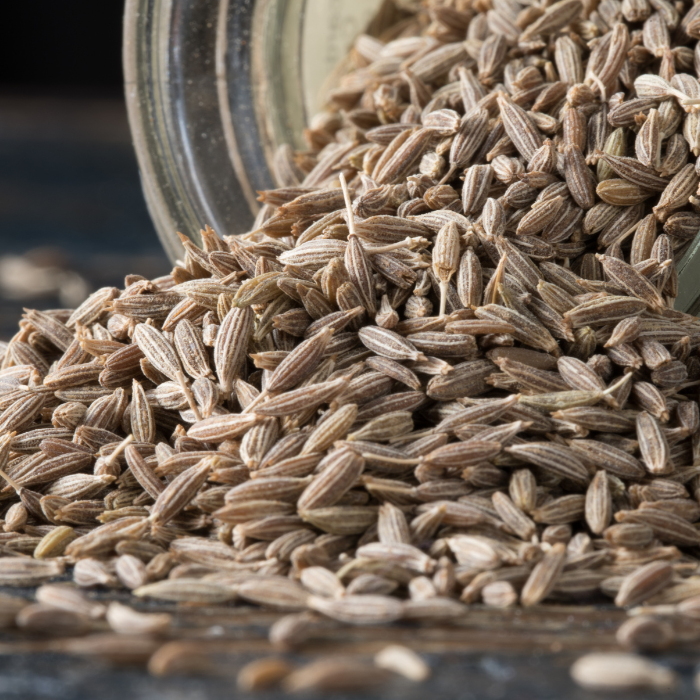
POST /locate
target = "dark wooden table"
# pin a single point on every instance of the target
(509, 655)
(70, 198)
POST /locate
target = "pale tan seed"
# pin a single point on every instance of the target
(125, 620)
(231, 345)
(652, 444)
(159, 352)
(320, 581)
(668, 527)
(598, 503)
(55, 542)
(66, 597)
(274, 592)
(499, 594)
(514, 518)
(404, 661)
(617, 671)
(307, 397)
(392, 526)
(186, 591)
(359, 610)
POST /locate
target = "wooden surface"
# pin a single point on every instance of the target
(70, 199)
(511, 654)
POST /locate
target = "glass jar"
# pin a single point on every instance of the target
(214, 86)
(688, 298)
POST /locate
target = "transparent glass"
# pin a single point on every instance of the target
(214, 86)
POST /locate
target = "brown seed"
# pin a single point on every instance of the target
(335, 675)
(337, 473)
(223, 427)
(668, 527)
(179, 658)
(551, 457)
(644, 583)
(180, 492)
(578, 177)
(66, 597)
(598, 503)
(543, 577)
(231, 344)
(652, 444)
(388, 344)
(262, 674)
(522, 132)
(645, 633)
(38, 618)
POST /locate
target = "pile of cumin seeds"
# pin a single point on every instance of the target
(444, 369)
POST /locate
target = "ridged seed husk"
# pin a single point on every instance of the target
(444, 367)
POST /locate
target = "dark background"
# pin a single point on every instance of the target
(72, 215)
(67, 47)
